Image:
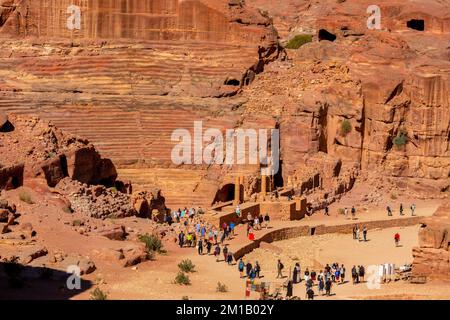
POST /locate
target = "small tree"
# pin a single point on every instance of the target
(182, 278)
(152, 243)
(186, 266)
(98, 294)
(401, 139)
(221, 287)
(298, 41)
(346, 127)
(25, 197)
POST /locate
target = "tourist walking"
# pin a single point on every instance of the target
(357, 233)
(295, 274)
(248, 268)
(365, 233)
(354, 232)
(229, 258)
(342, 273)
(238, 211)
(413, 209)
(258, 269)
(217, 252)
(289, 289)
(353, 212)
(326, 211)
(397, 239)
(267, 220)
(241, 266)
(354, 275)
(181, 239)
(361, 273)
(200, 247)
(208, 247)
(310, 294)
(280, 268)
(346, 212)
(321, 285)
(328, 287)
(225, 253)
(306, 274)
(389, 211)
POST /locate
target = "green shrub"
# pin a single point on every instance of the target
(152, 243)
(113, 189)
(67, 209)
(346, 127)
(221, 287)
(298, 41)
(182, 278)
(186, 266)
(394, 196)
(401, 139)
(341, 211)
(98, 294)
(77, 223)
(25, 197)
(185, 298)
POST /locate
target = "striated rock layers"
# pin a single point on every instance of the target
(432, 257)
(371, 103)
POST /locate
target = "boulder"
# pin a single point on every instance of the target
(30, 254)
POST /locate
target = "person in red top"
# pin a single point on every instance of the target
(397, 239)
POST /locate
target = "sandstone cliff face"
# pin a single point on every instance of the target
(381, 83)
(432, 257)
(137, 70)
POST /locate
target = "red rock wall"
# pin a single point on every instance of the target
(432, 256)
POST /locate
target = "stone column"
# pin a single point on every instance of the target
(237, 191)
(263, 188)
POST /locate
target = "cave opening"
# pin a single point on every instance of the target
(278, 180)
(232, 82)
(225, 194)
(7, 127)
(416, 24)
(325, 35)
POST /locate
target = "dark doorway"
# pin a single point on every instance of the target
(278, 180)
(313, 231)
(7, 127)
(416, 24)
(325, 35)
(225, 194)
(232, 82)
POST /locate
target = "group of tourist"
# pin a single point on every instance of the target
(357, 233)
(401, 210)
(247, 270)
(324, 279)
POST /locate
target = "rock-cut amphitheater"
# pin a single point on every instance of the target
(356, 107)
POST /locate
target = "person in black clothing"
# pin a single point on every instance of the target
(266, 220)
(310, 294)
(354, 275)
(289, 289)
(248, 269)
(208, 246)
(181, 239)
(257, 269)
(328, 287)
(326, 211)
(361, 273)
(401, 209)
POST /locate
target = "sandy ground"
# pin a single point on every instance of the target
(154, 280)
